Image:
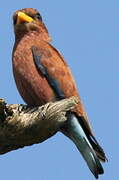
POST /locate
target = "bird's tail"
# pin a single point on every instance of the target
(75, 132)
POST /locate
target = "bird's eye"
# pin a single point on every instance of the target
(38, 16)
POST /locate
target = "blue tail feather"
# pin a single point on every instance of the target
(75, 132)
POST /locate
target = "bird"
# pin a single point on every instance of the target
(42, 75)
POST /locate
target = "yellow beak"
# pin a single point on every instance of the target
(22, 17)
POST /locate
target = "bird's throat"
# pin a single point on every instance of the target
(42, 35)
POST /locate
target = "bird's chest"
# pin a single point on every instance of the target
(32, 86)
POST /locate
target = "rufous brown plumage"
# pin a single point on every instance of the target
(42, 75)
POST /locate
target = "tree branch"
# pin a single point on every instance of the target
(21, 125)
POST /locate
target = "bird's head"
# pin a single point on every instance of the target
(29, 20)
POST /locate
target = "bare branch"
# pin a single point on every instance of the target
(21, 125)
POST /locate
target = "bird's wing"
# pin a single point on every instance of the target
(52, 66)
(53, 82)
